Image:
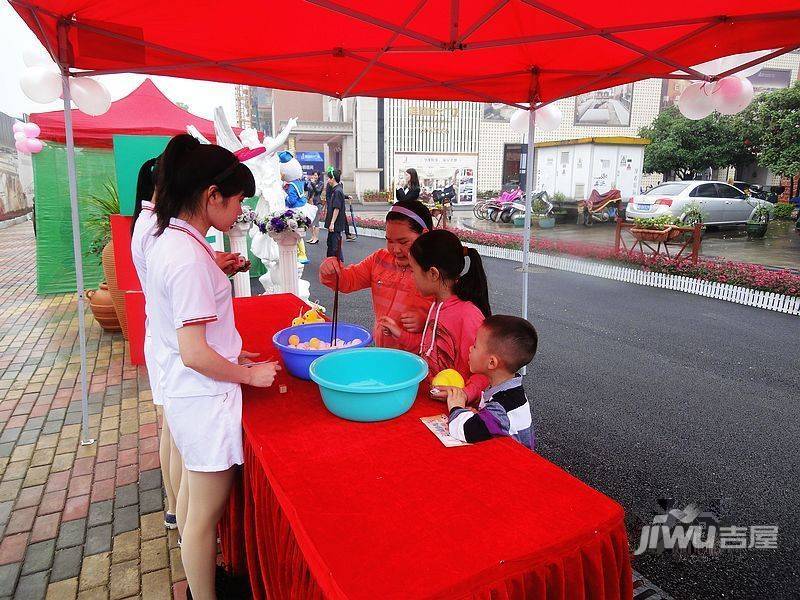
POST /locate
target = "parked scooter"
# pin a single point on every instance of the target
(517, 208)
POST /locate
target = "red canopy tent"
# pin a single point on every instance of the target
(145, 111)
(510, 51)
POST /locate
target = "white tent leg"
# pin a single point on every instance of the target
(76, 248)
(526, 238)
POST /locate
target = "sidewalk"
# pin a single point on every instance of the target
(76, 521)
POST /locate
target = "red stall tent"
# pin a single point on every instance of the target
(145, 111)
(509, 51)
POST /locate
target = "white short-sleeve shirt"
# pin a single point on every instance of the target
(142, 240)
(186, 287)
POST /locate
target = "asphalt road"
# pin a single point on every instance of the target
(646, 393)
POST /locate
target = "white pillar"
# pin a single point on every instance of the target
(287, 261)
(76, 249)
(238, 239)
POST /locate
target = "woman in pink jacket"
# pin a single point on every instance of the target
(387, 272)
(453, 275)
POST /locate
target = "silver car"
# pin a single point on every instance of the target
(720, 203)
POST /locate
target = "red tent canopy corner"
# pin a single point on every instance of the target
(145, 111)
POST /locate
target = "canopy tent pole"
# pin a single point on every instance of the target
(76, 248)
(526, 237)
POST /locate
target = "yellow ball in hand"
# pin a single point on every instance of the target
(448, 377)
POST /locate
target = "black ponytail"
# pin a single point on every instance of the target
(145, 186)
(442, 249)
(187, 168)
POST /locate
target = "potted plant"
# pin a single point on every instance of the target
(691, 217)
(99, 208)
(540, 210)
(656, 229)
(758, 223)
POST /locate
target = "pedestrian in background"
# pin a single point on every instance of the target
(336, 217)
(314, 192)
(410, 189)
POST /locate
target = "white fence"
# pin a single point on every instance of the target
(699, 287)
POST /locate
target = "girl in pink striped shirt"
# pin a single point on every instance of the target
(453, 275)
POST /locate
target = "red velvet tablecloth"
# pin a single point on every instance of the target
(327, 508)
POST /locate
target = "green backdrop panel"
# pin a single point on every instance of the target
(130, 151)
(55, 264)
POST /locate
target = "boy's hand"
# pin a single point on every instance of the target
(390, 327)
(440, 391)
(456, 397)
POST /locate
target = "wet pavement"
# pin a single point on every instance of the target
(779, 248)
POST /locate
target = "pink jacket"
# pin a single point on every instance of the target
(449, 332)
(393, 290)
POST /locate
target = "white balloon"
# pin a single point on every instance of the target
(40, 84)
(519, 121)
(90, 95)
(695, 101)
(35, 146)
(34, 56)
(31, 130)
(548, 118)
(497, 105)
(732, 94)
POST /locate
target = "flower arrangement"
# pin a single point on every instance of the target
(247, 216)
(280, 222)
(759, 277)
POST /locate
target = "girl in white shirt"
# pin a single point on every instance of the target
(198, 350)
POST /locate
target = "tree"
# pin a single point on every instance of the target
(772, 124)
(687, 147)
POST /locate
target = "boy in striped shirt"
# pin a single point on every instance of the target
(503, 345)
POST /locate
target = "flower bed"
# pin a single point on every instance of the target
(734, 273)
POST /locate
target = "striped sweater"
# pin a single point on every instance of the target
(504, 411)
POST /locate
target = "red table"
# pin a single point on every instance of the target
(327, 508)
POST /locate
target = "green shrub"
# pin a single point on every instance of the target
(783, 210)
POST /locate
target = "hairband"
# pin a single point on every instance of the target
(241, 155)
(402, 210)
(467, 264)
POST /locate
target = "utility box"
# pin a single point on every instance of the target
(576, 167)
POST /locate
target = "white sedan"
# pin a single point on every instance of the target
(720, 203)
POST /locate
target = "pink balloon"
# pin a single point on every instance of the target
(34, 145)
(22, 146)
(19, 135)
(31, 130)
(18, 127)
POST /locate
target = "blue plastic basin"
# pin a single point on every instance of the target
(297, 361)
(368, 384)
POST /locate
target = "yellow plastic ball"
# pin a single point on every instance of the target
(313, 343)
(294, 340)
(448, 377)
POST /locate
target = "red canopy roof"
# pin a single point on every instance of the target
(480, 50)
(145, 111)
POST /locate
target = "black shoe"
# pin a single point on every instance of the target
(351, 238)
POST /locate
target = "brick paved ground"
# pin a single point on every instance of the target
(75, 521)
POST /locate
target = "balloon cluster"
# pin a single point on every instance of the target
(548, 118)
(26, 138)
(41, 82)
(728, 95)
